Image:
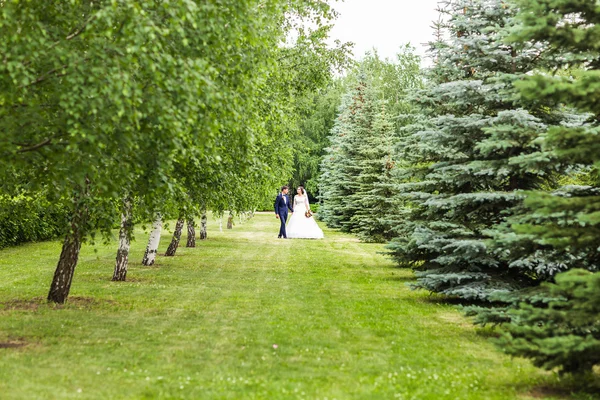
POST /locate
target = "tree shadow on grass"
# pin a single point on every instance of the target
(546, 392)
(399, 278)
(569, 387)
(488, 332)
(443, 300)
(78, 302)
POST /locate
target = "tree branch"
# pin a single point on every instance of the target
(81, 29)
(45, 76)
(33, 147)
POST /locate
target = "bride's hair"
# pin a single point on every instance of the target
(303, 191)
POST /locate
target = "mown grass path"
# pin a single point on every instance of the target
(244, 315)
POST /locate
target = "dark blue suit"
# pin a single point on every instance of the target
(281, 209)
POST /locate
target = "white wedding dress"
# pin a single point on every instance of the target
(300, 227)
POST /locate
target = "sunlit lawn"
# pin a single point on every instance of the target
(245, 315)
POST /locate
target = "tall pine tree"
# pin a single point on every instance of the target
(559, 327)
(355, 149)
(331, 187)
(356, 181)
(341, 167)
(473, 156)
(375, 183)
(357, 184)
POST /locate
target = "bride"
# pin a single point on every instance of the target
(299, 226)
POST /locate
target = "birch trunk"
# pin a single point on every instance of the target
(221, 224)
(203, 221)
(120, 273)
(176, 238)
(69, 255)
(153, 242)
(191, 233)
(230, 221)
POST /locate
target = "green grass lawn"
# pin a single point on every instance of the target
(245, 315)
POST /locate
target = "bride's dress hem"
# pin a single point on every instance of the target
(300, 227)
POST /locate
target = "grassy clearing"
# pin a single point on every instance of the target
(245, 315)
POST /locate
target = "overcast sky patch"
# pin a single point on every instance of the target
(385, 25)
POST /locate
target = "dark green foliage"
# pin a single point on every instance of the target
(560, 230)
(29, 219)
(375, 194)
(355, 158)
(559, 326)
(466, 165)
(318, 114)
(357, 167)
(337, 181)
(357, 181)
(567, 220)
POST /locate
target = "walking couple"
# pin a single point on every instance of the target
(302, 225)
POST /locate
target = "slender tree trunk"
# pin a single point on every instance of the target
(191, 237)
(513, 183)
(203, 232)
(69, 255)
(153, 242)
(176, 238)
(230, 221)
(63, 276)
(120, 273)
(221, 223)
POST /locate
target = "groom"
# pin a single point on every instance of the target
(282, 203)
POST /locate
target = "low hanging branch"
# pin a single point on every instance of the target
(28, 147)
(46, 76)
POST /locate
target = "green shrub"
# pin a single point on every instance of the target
(559, 327)
(29, 219)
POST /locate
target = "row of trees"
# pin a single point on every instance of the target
(355, 186)
(488, 183)
(136, 112)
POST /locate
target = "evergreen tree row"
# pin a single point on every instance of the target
(357, 171)
(489, 190)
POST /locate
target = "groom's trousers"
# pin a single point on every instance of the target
(283, 219)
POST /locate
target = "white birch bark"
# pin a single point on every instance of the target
(191, 238)
(203, 221)
(172, 249)
(153, 242)
(122, 262)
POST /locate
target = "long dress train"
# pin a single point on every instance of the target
(300, 227)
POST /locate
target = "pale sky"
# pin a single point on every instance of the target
(385, 25)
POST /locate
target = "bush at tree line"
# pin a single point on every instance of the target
(29, 219)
